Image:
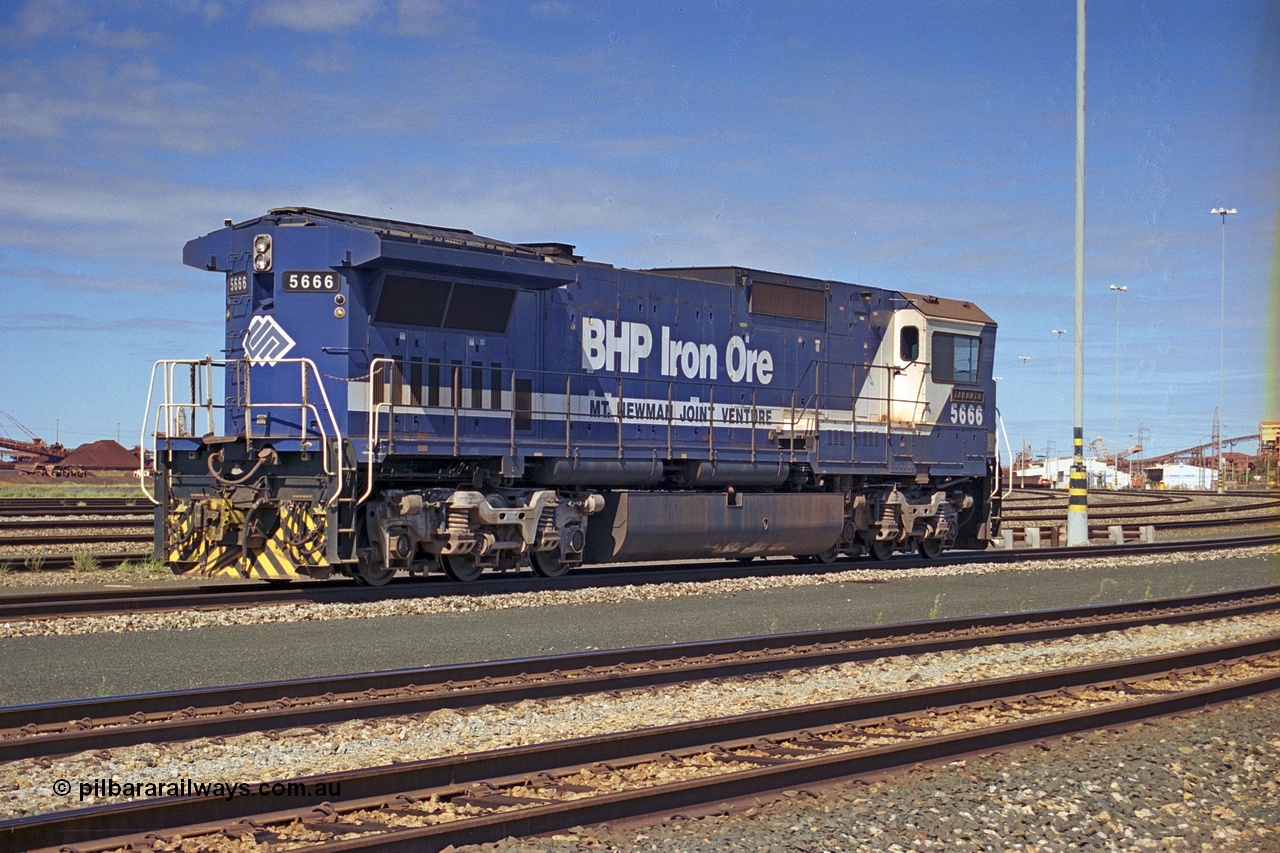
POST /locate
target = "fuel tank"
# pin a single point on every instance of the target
(636, 526)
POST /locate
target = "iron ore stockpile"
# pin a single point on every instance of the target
(1019, 732)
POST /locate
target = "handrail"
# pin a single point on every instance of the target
(201, 398)
(374, 408)
(797, 414)
(142, 440)
(804, 412)
(1008, 447)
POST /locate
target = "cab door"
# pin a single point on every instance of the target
(907, 369)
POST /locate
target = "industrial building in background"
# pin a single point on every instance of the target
(1193, 468)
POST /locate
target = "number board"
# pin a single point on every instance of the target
(237, 283)
(310, 281)
(966, 407)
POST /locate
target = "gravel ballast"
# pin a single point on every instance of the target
(1207, 781)
(274, 614)
(28, 786)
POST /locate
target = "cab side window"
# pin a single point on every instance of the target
(955, 358)
(909, 343)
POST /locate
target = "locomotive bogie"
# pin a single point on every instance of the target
(402, 398)
(460, 530)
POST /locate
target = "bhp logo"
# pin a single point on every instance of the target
(266, 342)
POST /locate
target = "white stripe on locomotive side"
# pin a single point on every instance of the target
(691, 412)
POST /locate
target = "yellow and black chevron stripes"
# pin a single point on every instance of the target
(207, 538)
(183, 533)
(1078, 492)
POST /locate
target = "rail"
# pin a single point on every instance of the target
(177, 418)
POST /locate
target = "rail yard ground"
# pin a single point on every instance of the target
(1205, 782)
(145, 653)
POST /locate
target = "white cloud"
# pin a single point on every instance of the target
(326, 16)
(38, 18)
(59, 19)
(421, 17)
(551, 9)
(96, 108)
(35, 323)
(130, 38)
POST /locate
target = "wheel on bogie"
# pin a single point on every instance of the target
(463, 568)
(828, 556)
(929, 548)
(548, 564)
(880, 549)
(372, 572)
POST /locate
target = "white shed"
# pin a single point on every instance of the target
(1058, 473)
(1179, 475)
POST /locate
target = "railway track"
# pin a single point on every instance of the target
(19, 507)
(74, 602)
(50, 534)
(84, 725)
(1031, 507)
(119, 531)
(94, 537)
(475, 797)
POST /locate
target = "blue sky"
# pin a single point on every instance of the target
(925, 146)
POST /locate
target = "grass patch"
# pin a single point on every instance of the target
(143, 567)
(33, 564)
(73, 492)
(82, 561)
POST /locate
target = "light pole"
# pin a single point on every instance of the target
(1078, 496)
(1022, 441)
(1118, 288)
(1224, 212)
(1057, 394)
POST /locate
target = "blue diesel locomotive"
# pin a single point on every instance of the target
(397, 397)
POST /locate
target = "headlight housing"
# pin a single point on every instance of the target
(262, 253)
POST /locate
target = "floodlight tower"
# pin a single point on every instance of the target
(1078, 496)
(1224, 212)
(1057, 396)
(1118, 288)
